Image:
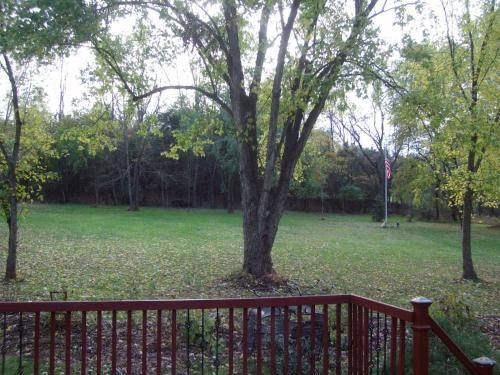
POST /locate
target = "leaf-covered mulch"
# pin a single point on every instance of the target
(490, 326)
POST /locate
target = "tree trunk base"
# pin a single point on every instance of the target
(270, 281)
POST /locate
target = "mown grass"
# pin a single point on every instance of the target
(110, 253)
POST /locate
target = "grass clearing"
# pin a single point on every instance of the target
(110, 253)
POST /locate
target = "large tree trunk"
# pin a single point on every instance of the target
(468, 267)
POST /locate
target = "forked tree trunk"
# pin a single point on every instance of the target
(468, 267)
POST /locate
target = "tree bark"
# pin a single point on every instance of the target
(11, 270)
(468, 267)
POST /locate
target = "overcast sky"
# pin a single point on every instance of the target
(72, 66)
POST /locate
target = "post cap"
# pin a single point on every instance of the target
(484, 362)
(421, 301)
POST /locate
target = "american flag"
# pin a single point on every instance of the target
(387, 168)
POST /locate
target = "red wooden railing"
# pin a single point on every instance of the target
(339, 334)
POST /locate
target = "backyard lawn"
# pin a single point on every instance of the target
(110, 253)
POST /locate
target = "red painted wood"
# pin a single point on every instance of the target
(114, 342)
(457, 352)
(286, 334)
(338, 338)
(174, 342)
(312, 360)
(231, 342)
(52, 349)
(36, 349)
(324, 340)
(258, 337)
(99, 343)
(67, 332)
(83, 360)
(402, 346)
(366, 349)
(421, 327)
(350, 334)
(394, 343)
(158, 341)
(299, 340)
(273, 341)
(357, 331)
(144, 342)
(245, 341)
(129, 342)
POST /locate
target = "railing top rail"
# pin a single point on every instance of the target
(174, 304)
(457, 352)
(180, 304)
(395, 311)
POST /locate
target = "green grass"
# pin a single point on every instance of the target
(110, 253)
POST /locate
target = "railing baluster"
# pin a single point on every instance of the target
(36, 349)
(129, 342)
(298, 332)
(324, 339)
(394, 338)
(286, 333)
(312, 354)
(350, 336)
(377, 348)
(20, 368)
(99, 342)
(338, 339)
(84, 344)
(385, 332)
(67, 358)
(174, 342)
(158, 342)
(231, 341)
(217, 333)
(245, 341)
(273, 341)
(4, 342)
(52, 343)
(370, 343)
(356, 328)
(202, 342)
(187, 326)
(366, 331)
(402, 346)
(359, 340)
(144, 342)
(258, 336)
(114, 342)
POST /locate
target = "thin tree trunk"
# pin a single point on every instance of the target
(12, 161)
(134, 206)
(11, 272)
(436, 205)
(195, 181)
(128, 166)
(230, 197)
(468, 267)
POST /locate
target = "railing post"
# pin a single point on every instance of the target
(484, 365)
(421, 327)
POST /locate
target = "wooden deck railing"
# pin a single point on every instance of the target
(337, 334)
